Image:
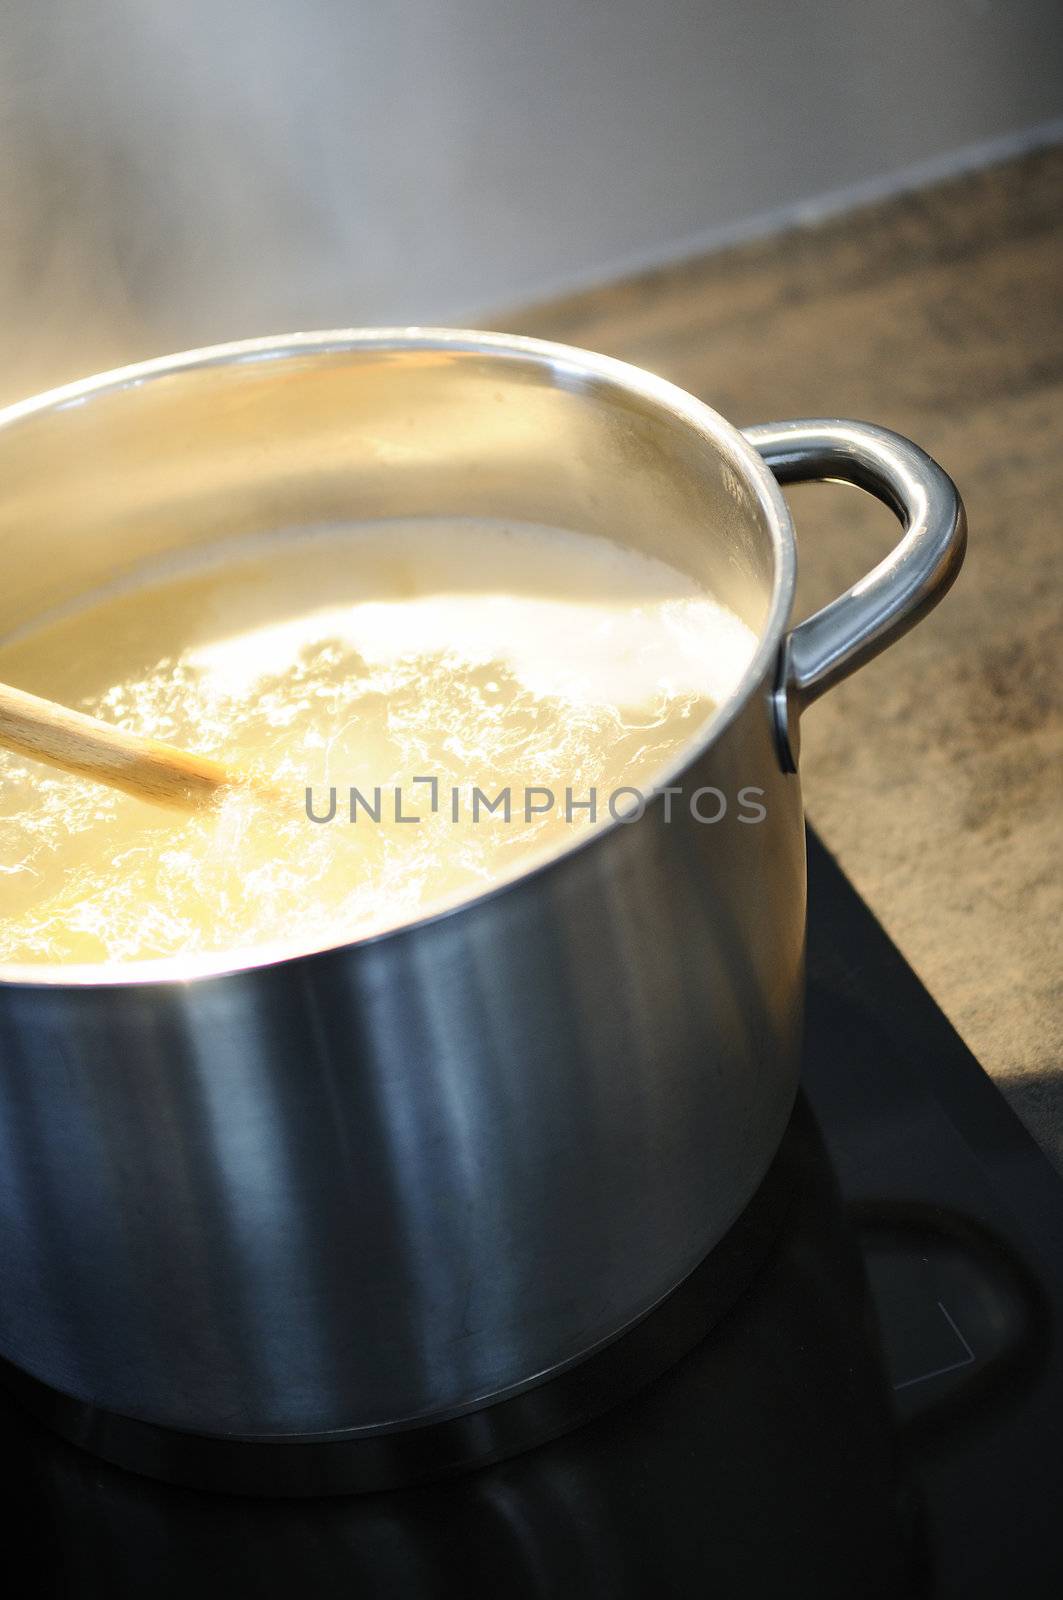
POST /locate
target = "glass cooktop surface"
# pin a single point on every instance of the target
(880, 1413)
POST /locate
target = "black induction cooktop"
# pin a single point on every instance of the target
(880, 1412)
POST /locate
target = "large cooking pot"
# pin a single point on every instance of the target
(380, 1190)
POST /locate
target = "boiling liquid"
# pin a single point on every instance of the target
(476, 653)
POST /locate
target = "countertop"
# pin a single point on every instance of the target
(935, 773)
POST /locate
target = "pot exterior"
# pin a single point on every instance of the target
(392, 1182)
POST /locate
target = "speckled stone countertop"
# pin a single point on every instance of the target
(935, 774)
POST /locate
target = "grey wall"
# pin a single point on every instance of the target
(179, 171)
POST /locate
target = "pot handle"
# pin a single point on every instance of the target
(915, 575)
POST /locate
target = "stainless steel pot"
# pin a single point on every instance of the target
(366, 1190)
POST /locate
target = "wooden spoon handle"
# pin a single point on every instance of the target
(145, 768)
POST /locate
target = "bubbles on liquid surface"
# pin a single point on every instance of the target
(474, 673)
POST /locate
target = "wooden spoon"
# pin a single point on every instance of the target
(148, 769)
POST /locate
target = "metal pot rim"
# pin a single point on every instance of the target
(682, 408)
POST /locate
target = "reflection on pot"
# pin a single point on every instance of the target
(764, 1463)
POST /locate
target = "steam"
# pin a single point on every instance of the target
(166, 179)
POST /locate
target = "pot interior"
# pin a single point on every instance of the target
(187, 457)
(121, 471)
